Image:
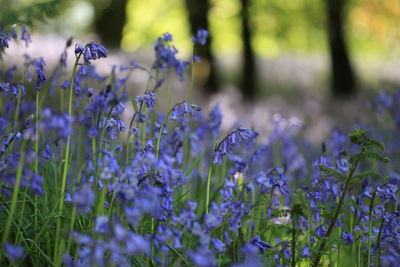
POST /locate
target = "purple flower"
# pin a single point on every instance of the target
(387, 192)
(38, 65)
(136, 244)
(14, 252)
(202, 257)
(218, 245)
(234, 138)
(179, 110)
(149, 98)
(305, 253)
(91, 51)
(166, 56)
(347, 237)
(262, 246)
(25, 36)
(83, 199)
(321, 231)
(201, 37)
(4, 38)
(101, 225)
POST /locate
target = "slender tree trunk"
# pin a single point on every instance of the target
(198, 18)
(342, 80)
(248, 81)
(110, 21)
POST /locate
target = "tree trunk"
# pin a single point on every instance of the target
(248, 81)
(110, 21)
(342, 80)
(198, 18)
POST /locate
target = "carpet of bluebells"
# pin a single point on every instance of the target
(82, 187)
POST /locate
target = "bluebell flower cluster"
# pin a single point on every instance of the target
(231, 141)
(134, 192)
(166, 56)
(91, 51)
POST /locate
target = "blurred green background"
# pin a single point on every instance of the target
(351, 42)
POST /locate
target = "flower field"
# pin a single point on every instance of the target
(81, 187)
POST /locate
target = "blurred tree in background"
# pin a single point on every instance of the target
(198, 18)
(110, 19)
(342, 76)
(249, 70)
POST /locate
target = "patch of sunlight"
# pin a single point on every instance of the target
(146, 20)
(266, 46)
(225, 26)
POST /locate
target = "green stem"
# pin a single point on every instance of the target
(208, 185)
(16, 114)
(15, 192)
(36, 166)
(293, 242)
(73, 215)
(160, 132)
(162, 127)
(371, 206)
(66, 166)
(335, 217)
(378, 242)
(21, 214)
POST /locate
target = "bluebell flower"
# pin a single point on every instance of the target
(387, 192)
(196, 58)
(305, 252)
(134, 64)
(14, 34)
(262, 246)
(91, 51)
(65, 85)
(118, 109)
(113, 127)
(4, 38)
(249, 249)
(347, 237)
(101, 224)
(25, 36)
(60, 124)
(234, 138)
(12, 90)
(202, 257)
(10, 74)
(180, 109)
(39, 64)
(32, 181)
(321, 231)
(201, 37)
(14, 252)
(149, 98)
(218, 245)
(342, 164)
(136, 244)
(83, 199)
(166, 56)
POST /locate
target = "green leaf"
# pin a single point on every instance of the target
(369, 175)
(374, 144)
(358, 136)
(329, 171)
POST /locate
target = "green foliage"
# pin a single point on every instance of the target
(370, 175)
(359, 136)
(300, 204)
(20, 12)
